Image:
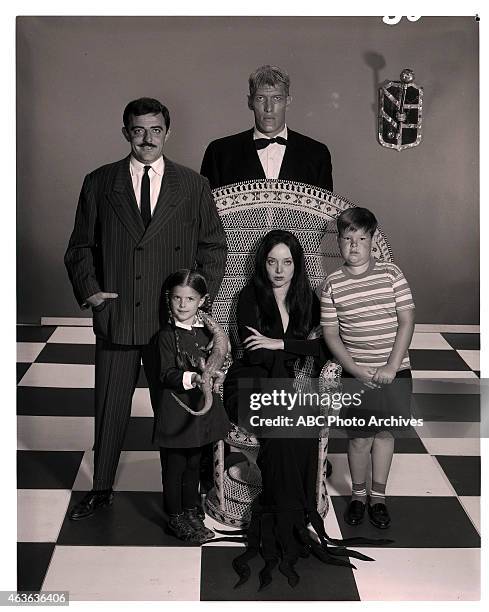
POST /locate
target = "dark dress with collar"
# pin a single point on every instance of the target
(174, 427)
(234, 159)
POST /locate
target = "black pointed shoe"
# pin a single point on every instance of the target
(379, 516)
(92, 501)
(354, 513)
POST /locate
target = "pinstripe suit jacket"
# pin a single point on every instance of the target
(110, 250)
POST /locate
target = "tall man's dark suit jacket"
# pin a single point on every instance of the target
(111, 251)
(234, 158)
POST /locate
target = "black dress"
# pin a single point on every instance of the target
(288, 466)
(174, 427)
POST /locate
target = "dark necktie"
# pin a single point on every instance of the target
(145, 198)
(262, 143)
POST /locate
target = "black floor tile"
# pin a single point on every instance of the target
(67, 353)
(21, 370)
(134, 519)
(464, 473)
(47, 469)
(50, 401)
(32, 563)
(405, 442)
(34, 333)
(138, 435)
(463, 341)
(425, 359)
(446, 407)
(318, 581)
(417, 522)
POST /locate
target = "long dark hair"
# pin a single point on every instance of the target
(299, 296)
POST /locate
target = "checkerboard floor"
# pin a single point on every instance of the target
(122, 553)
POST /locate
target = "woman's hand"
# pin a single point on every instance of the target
(259, 341)
(385, 374)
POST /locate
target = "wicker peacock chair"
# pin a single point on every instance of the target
(249, 210)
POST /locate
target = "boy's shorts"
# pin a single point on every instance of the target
(385, 409)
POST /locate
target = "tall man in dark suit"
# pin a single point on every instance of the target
(137, 221)
(269, 150)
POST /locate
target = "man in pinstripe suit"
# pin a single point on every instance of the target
(137, 221)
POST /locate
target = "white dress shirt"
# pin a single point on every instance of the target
(155, 177)
(271, 157)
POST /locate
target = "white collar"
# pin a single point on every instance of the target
(258, 134)
(196, 323)
(138, 168)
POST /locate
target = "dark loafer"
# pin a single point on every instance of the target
(92, 501)
(354, 513)
(379, 516)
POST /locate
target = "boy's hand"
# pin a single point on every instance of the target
(365, 375)
(385, 375)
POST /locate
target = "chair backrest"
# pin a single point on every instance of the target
(249, 210)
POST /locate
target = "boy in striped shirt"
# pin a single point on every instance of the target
(367, 315)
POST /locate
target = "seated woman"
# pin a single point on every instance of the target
(276, 313)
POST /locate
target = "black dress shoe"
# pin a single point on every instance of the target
(92, 501)
(379, 516)
(329, 468)
(354, 513)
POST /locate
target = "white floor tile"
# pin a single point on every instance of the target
(141, 404)
(119, 573)
(54, 433)
(429, 574)
(472, 505)
(444, 374)
(67, 321)
(429, 341)
(411, 474)
(73, 335)
(27, 352)
(40, 514)
(453, 446)
(471, 358)
(446, 329)
(79, 376)
(137, 471)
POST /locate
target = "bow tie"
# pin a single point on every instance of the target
(262, 143)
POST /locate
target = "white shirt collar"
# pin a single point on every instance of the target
(188, 327)
(258, 134)
(137, 167)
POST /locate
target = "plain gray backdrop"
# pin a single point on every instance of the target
(75, 75)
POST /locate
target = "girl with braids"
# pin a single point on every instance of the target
(183, 342)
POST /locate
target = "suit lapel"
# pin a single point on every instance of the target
(289, 162)
(171, 196)
(250, 155)
(123, 201)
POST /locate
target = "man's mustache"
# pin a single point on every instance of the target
(147, 144)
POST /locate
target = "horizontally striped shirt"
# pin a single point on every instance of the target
(365, 307)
